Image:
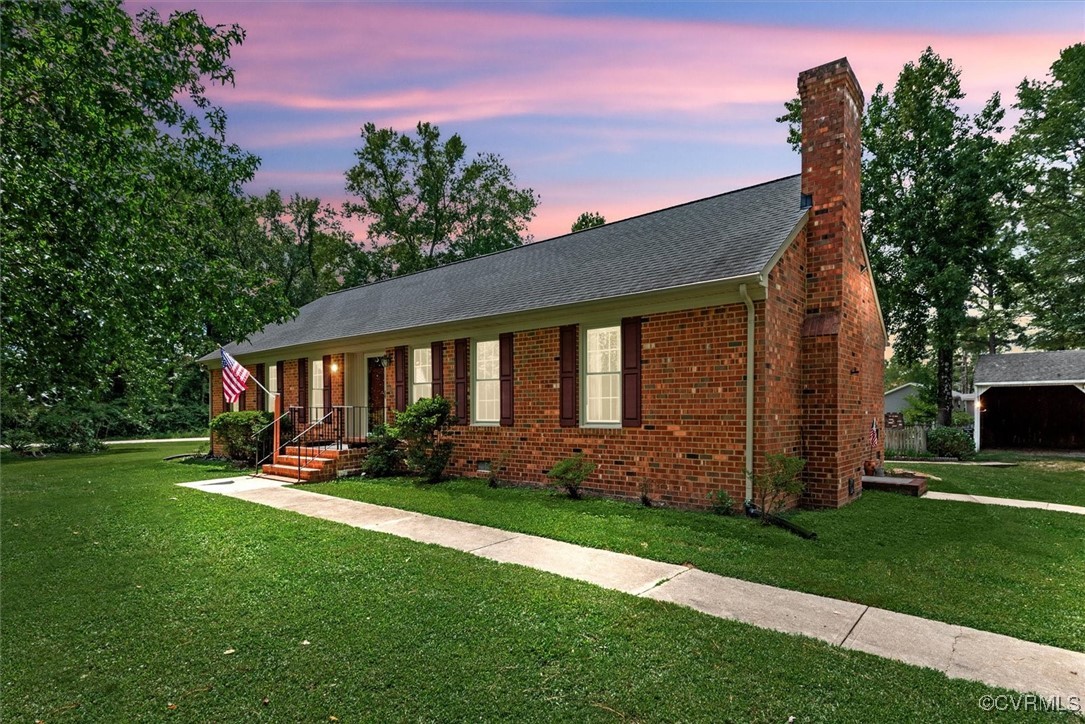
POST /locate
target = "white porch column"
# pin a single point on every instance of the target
(977, 404)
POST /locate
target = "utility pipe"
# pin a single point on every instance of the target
(749, 390)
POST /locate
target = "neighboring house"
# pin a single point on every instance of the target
(674, 349)
(1031, 400)
(896, 399)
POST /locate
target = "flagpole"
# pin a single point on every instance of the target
(253, 378)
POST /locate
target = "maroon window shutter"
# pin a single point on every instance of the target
(280, 383)
(327, 383)
(261, 377)
(505, 366)
(567, 375)
(401, 378)
(303, 388)
(437, 368)
(461, 381)
(631, 351)
(242, 399)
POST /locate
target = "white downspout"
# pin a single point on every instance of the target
(749, 390)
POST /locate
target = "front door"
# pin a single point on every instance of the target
(375, 377)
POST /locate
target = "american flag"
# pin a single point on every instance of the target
(874, 433)
(234, 377)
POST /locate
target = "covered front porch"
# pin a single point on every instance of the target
(322, 406)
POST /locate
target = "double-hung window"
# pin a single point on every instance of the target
(316, 389)
(421, 373)
(603, 376)
(487, 382)
(272, 385)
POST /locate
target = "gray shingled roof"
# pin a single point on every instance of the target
(1066, 366)
(730, 235)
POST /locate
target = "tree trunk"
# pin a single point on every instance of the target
(945, 386)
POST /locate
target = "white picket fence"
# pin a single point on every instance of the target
(908, 439)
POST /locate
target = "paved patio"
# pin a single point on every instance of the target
(957, 651)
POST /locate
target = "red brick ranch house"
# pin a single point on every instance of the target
(674, 349)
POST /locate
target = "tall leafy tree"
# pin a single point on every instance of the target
(304, 247)
(427, 204)
(121, 199)
(936, 188)
(1050, 142)
(933, 180)
(587, 220)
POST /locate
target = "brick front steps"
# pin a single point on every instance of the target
(318, 464)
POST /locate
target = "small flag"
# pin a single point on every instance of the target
(234, 377)
(874, 433)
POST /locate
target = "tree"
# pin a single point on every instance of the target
(587, 220)
(932, 181)
(936, 185)
(121, 200)
(305, 247)
(427, 205)
(1050, 143)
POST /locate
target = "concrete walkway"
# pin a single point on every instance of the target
(1010, 502)
(957, 651)
(165, 439)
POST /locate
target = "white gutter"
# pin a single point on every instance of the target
(749, 389)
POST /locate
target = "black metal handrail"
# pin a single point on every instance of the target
(257, 436)
(301, 435)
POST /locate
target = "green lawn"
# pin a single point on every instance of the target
(122, 594)
(1054, 480)
(1012, 571)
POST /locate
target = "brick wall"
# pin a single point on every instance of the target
(692, 441)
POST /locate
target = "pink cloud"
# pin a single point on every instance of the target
(466, 65)
(606, 88)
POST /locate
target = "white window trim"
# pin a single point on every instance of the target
(269, 400)
(413, 381)
(583, 381)
(474, 380)
(314, 401)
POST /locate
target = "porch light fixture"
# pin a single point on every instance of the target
(335, 366)
(385, 361)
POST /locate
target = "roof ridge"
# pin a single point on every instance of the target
(560, 236)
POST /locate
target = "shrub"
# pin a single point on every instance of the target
(646, 494)
(71, 428)
(570, 473)
(497, 466)
(779, 482)
(721, 502)
(950, 442)
(235, 430)
(383, 456)
(962, 418)
(419, 426)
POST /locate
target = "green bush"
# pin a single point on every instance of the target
(570, 473)
(962, 418)
(383, 456)
(721, 502)
(419, 426)
(950, 442)
(72, 428)
(779, 482)
(235, 430)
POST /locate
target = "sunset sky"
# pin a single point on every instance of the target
(619, 108)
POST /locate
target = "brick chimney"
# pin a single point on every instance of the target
(843, 339)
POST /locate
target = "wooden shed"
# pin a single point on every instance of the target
(1031, 400)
